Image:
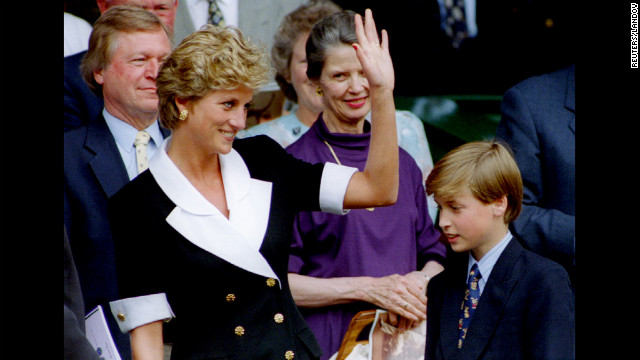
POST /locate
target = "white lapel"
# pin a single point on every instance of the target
(237, 239)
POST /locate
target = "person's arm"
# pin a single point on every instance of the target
(377, 185)
(550, 316)
(549, 232)
(147, 342)
(422, 277)
(394, 293)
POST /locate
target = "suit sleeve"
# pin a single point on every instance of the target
(141, 276)
(548, 232)
(434, 309)
(551, 317)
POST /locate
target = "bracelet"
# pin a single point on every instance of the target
(427, 277)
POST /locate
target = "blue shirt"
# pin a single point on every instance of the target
(488, 261)
(125, 135)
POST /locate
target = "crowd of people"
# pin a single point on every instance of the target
(201, 238)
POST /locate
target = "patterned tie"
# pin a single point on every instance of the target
(215, 14)
(455, 23)
(142, 139)
(471, 297)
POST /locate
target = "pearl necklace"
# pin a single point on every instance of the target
(339, 163)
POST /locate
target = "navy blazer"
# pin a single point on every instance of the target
(210, 296)
(526, 310)
(538, 122)
(80, 103)
(93, 172)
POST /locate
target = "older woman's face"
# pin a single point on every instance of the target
(345, 87)
(305, 90)
(215, 119)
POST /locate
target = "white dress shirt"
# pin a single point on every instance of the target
(76, 34)
(199, 11)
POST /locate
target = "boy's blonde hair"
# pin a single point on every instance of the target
(486, 168)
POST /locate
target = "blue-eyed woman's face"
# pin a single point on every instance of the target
(214, 120)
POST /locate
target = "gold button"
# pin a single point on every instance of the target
(289, 355)
(548, 23)
(279, 318)
(239, 330)
(231, 298)
(121, 317)
(271, 282)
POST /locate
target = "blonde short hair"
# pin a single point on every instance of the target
(212, 58)
(486, 168)
(103, 38)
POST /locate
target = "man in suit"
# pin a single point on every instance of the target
(80, 103)
(538, 122)
(509, 41)
(99, 156)
(258, 20)
(494, 300)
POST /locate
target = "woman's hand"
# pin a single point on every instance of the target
(400, 296)
(374, 55)
(418, 277)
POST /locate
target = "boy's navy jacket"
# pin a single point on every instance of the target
(526, 310)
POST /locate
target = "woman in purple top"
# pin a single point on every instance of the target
(369, 258)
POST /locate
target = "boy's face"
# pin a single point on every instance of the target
(471, 225)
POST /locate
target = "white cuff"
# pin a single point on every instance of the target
(141, 310)
(333, 187)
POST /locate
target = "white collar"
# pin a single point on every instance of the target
(237, 239)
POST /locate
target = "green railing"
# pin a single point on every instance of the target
(452, 120)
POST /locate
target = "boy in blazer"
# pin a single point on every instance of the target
(494, 300)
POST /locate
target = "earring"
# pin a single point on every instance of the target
(319, 91)
(183, 115)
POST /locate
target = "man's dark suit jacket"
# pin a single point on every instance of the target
(526, 310)
(93, 172)
(516, 39)
(80, 103)
(76, 344)
(538, 122)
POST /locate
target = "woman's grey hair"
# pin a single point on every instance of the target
(300, 21)
(334, 30)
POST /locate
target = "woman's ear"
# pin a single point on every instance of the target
(181, 104)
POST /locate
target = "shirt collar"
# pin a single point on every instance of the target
(488, 261)
(125, 134)
(235, 176)
(237, 239)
